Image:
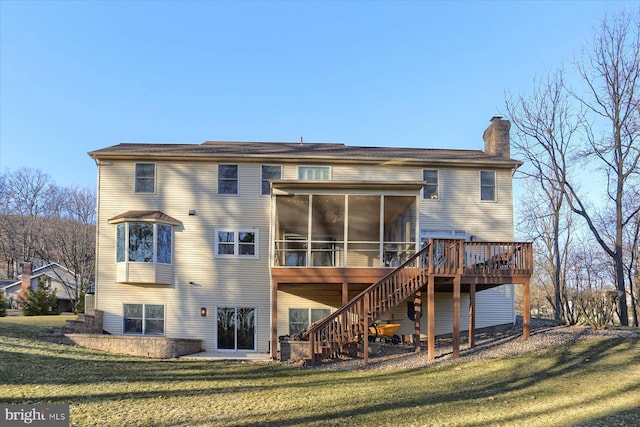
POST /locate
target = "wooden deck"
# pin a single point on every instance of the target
(443, 265)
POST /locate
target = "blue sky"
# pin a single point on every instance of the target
(76, 76)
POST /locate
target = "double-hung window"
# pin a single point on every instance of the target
(269, 173)
(227, 179)
(320, 173)
(430, 190)
(144, 242)
(143, 319)
(145, 181)
(240, 243)
(488, 186)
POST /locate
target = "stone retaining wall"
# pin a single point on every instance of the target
(153, 347)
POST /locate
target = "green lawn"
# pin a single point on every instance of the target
(595, 382)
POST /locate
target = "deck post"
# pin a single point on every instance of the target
(456, 316)
(274, 321)
(345, 293)
(526, 310)
(417, 317)
(456, 299)
(431, 319)
(472, 315)
(365, 340)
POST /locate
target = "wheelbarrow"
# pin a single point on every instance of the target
(385, 332)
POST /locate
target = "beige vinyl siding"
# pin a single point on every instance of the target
(346, 172)
(309, 299)
(493, 307)
(200, 279)
(459, 207)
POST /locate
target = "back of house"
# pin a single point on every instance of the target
(239, 243)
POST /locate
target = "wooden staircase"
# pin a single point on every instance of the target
(441, 258)
(331, 336)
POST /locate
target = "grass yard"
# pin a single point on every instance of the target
(595, 382)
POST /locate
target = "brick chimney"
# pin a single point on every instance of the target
(26, 277)
(496, 137)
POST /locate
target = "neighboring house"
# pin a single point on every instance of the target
(54, 276)
(238, 243)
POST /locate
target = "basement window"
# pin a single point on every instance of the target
(143, 319)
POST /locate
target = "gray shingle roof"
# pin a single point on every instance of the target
(287, 151)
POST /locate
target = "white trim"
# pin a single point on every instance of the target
(155, 242)
(143, 334)
(312, 167)
(135, 177)
(236, 242)
(237, 193)
(235, 335)
(495, 186)
(262, 178)
(438, 185)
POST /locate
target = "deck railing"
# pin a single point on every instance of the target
(440, 258)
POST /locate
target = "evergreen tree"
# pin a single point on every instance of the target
(40, 302)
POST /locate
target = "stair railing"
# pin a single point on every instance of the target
(330, 336)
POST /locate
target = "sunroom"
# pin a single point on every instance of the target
(344, 224)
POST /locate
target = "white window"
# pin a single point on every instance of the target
(241, 243)
(269, 173)
(488, 186)
(144, 242)
(321, 173)
(227, 179)
(143, 319)
(430, 190)
(145, 181)
(301, 318)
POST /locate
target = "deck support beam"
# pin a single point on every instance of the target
(526, 310)
(417, 317)
(365, 340)
(456, 317)
(472, 315)
(274, 321)
(431, 318)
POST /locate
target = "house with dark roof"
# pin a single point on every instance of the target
(250, 245)
(54, 277)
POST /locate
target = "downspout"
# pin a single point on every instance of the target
(95, 272)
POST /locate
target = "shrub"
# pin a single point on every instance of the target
(598, 307)
(3, 305)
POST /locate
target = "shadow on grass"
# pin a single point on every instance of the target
(95, 377)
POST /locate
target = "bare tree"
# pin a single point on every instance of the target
(611, 72)
(26, 198)
(598, 126)
(70, 239)
(545, 128)
(43, 223)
